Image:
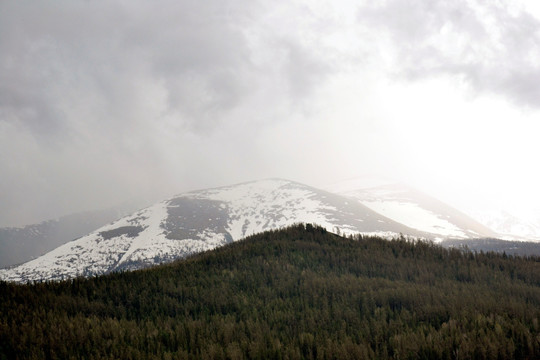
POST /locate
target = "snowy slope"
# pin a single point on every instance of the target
(199, 221)
(416, 210)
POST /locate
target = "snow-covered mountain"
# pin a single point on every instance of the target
(415, 209)
(199, 221)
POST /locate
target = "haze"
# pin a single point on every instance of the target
(101, 102)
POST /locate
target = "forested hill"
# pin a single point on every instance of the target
(298, 293)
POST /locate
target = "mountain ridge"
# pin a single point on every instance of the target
(202, 220)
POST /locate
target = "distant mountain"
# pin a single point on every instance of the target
(202, 220)
(20, 244)
(514, 248)
(417, 210)
(509, 226)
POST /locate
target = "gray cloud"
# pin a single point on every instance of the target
(105, 101)
(302, 69)
(102, 55)
(101, 101)
(109, 52)
(494, 48)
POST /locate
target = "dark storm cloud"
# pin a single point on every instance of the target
(302, 69)
(100, 100)
(55, 50)
(57, 53)
(199, 55)
(491, 46)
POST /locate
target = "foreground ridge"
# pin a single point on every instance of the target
(300, 292)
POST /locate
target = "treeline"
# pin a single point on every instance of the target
(520, 248)
(298, 293)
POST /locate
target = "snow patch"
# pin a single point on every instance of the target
(153, 230)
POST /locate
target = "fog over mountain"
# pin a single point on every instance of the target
(102, 102)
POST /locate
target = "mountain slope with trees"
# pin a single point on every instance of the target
(297, 293)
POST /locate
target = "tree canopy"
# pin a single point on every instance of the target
(296, 293)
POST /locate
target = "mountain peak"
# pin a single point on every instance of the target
(202, 220)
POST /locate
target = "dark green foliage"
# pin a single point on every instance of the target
(298, 293)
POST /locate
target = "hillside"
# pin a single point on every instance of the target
(298, 293)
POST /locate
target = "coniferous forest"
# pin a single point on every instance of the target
(297, 293)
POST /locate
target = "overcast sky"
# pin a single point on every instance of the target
(104, 101)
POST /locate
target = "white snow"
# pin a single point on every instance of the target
(153, 231)
(268, 204)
